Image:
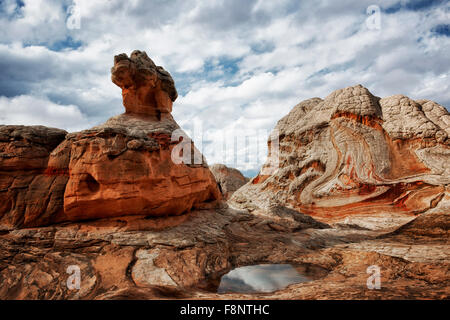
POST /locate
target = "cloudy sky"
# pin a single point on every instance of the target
(236, 64)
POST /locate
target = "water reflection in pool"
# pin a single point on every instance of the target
(260, 278)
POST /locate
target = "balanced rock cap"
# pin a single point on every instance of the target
(147, 89)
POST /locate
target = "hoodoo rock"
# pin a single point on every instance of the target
(123, 167)
(355, 153)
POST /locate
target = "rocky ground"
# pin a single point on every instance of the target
(184, 257)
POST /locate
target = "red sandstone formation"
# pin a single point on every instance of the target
(122, 167)
(27, 191)
(356, 153)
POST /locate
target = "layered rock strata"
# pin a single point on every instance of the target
(27, 192)
(353, 152)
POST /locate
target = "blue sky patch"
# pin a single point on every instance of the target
(441, 30)
(67, 44)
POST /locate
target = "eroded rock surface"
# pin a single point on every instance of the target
(178, 254)
(125, 167)
(184, 257)
(27, 192)
(354, 153)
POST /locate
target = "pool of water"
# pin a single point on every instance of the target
(262, 278)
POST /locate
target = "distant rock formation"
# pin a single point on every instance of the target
(354, 152)
(122, 167)
(228, 179)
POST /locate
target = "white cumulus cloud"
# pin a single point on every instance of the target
(30, 110)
